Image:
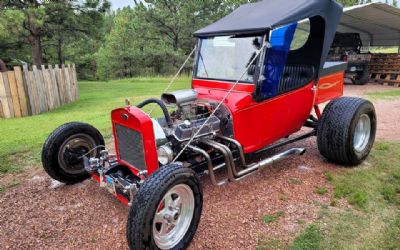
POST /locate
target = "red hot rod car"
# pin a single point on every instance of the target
(251, 91)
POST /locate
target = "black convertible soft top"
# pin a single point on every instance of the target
(269, 14)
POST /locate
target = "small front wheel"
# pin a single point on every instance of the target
(63, 151)
(166, 210)
(346, 131)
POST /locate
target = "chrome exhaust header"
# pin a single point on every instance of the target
(211, 168)
(226, 152)
(262, 164)
(233, 174)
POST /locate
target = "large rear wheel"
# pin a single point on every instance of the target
(346, 131)
(166, 210)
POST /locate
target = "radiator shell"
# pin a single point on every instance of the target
(134, 140)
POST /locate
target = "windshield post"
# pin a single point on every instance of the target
(261, 69)
(196, 56)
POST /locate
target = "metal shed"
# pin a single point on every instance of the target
(377, 23)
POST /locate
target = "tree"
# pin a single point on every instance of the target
(153, 37)
(50, 20)
(31, 24)
(83, 50)
(3, 66)
(13, 43)
(156, 35)
(71, 21)
(176, 21)
(349, 2)
(118, 55)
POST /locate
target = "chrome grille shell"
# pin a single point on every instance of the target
(130, 146)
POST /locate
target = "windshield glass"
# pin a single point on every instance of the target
(227, 57)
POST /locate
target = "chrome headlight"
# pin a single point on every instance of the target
(165, 155)
(159, 134)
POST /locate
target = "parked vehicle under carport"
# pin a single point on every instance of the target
(347, 47)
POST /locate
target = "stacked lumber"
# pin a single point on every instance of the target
(385, 68)
(25, 92)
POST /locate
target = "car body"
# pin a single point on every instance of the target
(250, 93)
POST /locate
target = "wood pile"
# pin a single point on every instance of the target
(385, 68)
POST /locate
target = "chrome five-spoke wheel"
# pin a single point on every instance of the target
(173, 216)
(166, 210)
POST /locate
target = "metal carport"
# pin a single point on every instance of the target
(377, 23)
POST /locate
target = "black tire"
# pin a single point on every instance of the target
(364, 79)
(54, 143)
(361, 77)
(146, 202)
(337, 128)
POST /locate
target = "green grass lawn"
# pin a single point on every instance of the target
(385, 95)
(373, 219)
(384, 49)
(21, 139)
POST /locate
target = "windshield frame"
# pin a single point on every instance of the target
(257, 62)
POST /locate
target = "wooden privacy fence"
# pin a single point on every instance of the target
(25, 92)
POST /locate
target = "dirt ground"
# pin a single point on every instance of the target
(40, 213)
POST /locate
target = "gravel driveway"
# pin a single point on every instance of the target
(41, 214)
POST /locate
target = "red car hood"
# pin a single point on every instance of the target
(238, 99)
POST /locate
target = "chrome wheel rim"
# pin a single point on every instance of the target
(173, 216)
(362, 133)
(80, 144)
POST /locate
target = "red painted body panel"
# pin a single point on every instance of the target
(330, 87)
(259, 124)
(141, 122)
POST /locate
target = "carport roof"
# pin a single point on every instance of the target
(377, 23)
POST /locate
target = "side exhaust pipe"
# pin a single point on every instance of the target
(233, 174)
(262, 164)
(251, 169)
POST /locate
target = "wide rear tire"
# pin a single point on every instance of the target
(166, 210)
(346, 131)
(63, 150)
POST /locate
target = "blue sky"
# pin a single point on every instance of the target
(116, 4)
